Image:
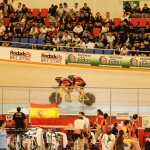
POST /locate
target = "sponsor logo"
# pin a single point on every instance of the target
(20, 55)
(71, 58)
(134, 62)
(103, 60)
(51, 58)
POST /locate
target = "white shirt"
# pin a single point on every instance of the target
(60, 10)
(50, 29)
(2, 28)
(67, 10)
(107, 19)
(107, 141)
(56, 41)
(127, 17)
(64, 38)
(43, 30)
(76, 10)
(87, 122)
(79, 124)
(34, 30)
(110, 38)
(82, 45)
(76, 29)
(123, 51)
(104, 29)
(76, 39)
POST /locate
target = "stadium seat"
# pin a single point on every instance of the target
(46, 21)
(35, 12)
(6, 21)
(63, 50)
(96, 32)
(15, 40)
(108, 52)
(29, 10)
(70, 50)
(134, 22)
(41, 41)
(23, 40)
(99, 51)
(33, 41)
(116, 21)
(142, 22)
(44, 12)
(80, 51)
(91, 51)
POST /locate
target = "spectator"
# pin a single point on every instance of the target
(1, 13)
(69, 28)
(110, 40)
(19, 10)
(55, 42)
(108, 140)
(38, 21)
(24, 9)
(10, 30)
(82, 45)
(142, 48)
(78, 30)
(82, 18)
(107, 18)
(115, 130)
(51, 30)
(30, 18)
(44, 47)
(6, 39)
(147, 29)
(135, 125)
(98, 20)
(76, 9)
(123, 50)
(2, 29)
(60, 10)
(20, 119)
(86, 9)
(75, 41)
(105, 29)
(52, 10)
(136, 39)
(145, 11)
(66, 9)
(23, 20)
(66, 39)
(26, 30)
(104, 124)
(127, 7)
(48, 40)
(136, 12)
(61, 30)
(33, 32)
(91, 19)
(5, 9)
(86, 30)
(73, 18)
(13, 19)
(3, 135)
(125, 17)
(43, 31)
(18, 30)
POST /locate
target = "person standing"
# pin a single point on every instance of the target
(20, 119)
(3, 135)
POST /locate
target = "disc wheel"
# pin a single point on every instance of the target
(55, 98)
(89, 99)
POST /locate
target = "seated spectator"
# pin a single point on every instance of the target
(10, 30)
(78, 30)
(63, 19)
(147, 29)
(1, 13)
(110, 40)
(55, 42)
(13, 18)
(69, 29)
(105, 29)
(108, 140)
(66, 9)
(115, 130)
(44, 47)
(52, 19)
(75, 41)
(6, 39)
(91, 41)
(98, 20)
(66, 39)
(76, 9)
(26, 30)
(136, 39)
(19, 10)
(125, 17)
(130, 29)
(113, 29)
(51, 30)
(60, 10)
(142, 48)
(51, 10)
(33, 32)
(82, 45)
(104, 124)
(82, 18)
(2, 29)
(5, 9)
(86, 30)
(23, 20)
(137, 30)
(38, 21)
(73, 18)
(34, 47)
(123, 50)
(102, 43)
(61, 30)
(48, 40)
(18, 30)
(127, 7)
(91, 19)
(86, 9)
(107, 18)
(30, 18)
(136, 12)
(24, 9)
(43, 31)
(145, 11)
(133, 51)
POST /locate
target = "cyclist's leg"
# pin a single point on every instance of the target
(67, 90)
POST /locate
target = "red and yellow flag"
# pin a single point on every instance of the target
(44, 113)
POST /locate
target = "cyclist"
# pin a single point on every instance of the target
(77, 81)
(64, 82)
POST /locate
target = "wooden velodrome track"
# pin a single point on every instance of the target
(43, 75)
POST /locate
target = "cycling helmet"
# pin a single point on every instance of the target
(70, 76)
(58, 78)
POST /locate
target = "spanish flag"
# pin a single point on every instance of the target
(44, 113)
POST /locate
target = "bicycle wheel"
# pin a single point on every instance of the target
(53, 98)
(89, 99)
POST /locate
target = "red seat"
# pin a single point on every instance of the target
(6, 21)
(142, 22)
(96, 32)
(148, 21)
(46, 21)
(29, 10)
(117, 21)
(44, 12)
(35, 12)
(134, 21)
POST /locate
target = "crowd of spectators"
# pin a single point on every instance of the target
(71, 26)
